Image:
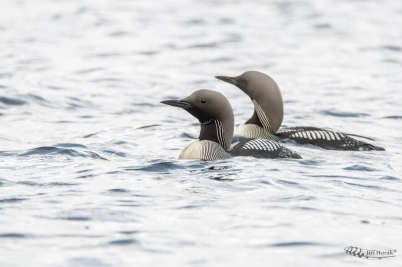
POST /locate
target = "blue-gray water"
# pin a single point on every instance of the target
(82, 184)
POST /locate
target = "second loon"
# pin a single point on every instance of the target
(215, 114)
(268, 115)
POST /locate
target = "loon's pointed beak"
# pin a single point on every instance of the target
(227, 79)
(178, 103)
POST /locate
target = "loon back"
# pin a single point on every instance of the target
(259, 148)
(325, 139)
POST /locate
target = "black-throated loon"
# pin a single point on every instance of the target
(216, 140)
(268, 115)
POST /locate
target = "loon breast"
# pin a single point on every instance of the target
(204, 150)
(254, 131)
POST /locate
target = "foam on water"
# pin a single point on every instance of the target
(89, 174)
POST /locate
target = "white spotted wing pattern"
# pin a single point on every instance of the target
(324, 138)
(262, 144)
(259, 148)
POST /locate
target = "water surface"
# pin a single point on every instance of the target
(84, 182)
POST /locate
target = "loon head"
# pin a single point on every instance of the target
(213, 111)
(264, 91)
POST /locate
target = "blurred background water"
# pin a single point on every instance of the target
(84, 183)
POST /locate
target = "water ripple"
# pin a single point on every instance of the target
(120, 242)
(13, 235)
(12, 101)
(344, 114)
(61, 151)
(12, 200)
(359, 167)
(296, 244)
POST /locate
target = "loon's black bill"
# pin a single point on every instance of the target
(177, 103)
(227, 79)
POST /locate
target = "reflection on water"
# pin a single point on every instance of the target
(88, 156)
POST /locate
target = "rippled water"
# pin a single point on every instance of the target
(83, 182)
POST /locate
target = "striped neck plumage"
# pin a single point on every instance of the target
(207, 122)
(213, 130)
(220, 132)
(265, 122)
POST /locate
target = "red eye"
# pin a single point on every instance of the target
(203, 101)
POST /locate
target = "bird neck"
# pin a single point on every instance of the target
(213, 130)
(254, 119)
(260, 118)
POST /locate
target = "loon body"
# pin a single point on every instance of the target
(216, 140)
(268, 116)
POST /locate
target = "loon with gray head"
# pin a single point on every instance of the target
(216, 140)
(268, 115)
